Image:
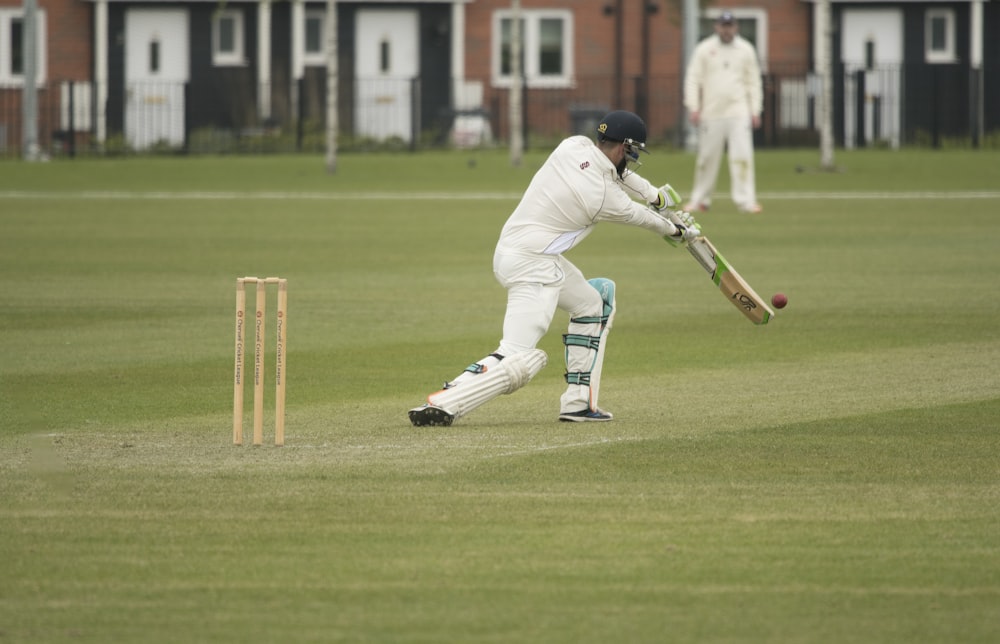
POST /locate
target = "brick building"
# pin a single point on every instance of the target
(192, 73)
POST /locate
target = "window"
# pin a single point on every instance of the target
(546, 48)
(314, 53)
(227, 38)
(751, 25)
(12, 62)
(939, 36)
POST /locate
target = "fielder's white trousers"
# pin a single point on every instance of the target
(716, 137)
(536, 286)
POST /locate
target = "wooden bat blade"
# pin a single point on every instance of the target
(730, 282)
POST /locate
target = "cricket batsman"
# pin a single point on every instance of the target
(583, 182)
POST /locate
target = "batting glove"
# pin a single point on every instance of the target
(685, 228)
(667, 197)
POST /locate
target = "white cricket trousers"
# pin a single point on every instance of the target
(733, 136)
(536, 286)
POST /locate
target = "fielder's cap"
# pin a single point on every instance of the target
(726, 18)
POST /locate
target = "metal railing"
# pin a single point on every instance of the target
(886, 107)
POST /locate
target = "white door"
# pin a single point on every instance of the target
(387, 63)
(156, 69)
(872, 40)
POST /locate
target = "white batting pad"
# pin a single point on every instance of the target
(508, 376)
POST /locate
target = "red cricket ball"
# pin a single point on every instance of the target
(779, 300)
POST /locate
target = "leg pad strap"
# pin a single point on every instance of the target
(586, 341)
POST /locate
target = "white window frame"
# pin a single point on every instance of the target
(531, 42)
(7, 77)
(236, 57)
(314, 58)
(748, 13)
(947, 54)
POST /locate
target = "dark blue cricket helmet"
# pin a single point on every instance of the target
(623, 126)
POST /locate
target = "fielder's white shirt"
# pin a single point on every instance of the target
(577, 187)
(723, 80)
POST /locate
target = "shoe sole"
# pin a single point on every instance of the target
(430, 417)
(584, 419)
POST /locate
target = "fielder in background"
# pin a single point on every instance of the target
(583, 182)
(724, 100)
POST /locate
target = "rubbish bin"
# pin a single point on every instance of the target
(471, 128)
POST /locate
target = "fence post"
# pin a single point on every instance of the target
(975, 104)
(769, 121)
(71, 122)
(524, 114)
(641, 97)
(187, 117)
(414, 112)
(859, 108)
(935, 126)
(300, 117)
(876, 118)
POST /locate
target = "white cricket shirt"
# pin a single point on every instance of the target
(577, 187)
(723, 81)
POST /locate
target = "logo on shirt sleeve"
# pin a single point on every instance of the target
(585, 165)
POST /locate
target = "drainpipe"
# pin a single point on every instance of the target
(101, 69)
(457, 55)
(264, 59)
(29, 94)
(298, 64)
(690, 40)
(515, 107)
(976, 64)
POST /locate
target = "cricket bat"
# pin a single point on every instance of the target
(731, 283)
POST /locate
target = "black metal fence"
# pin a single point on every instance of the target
(886, 107)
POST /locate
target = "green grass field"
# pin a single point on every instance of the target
(831, 477)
